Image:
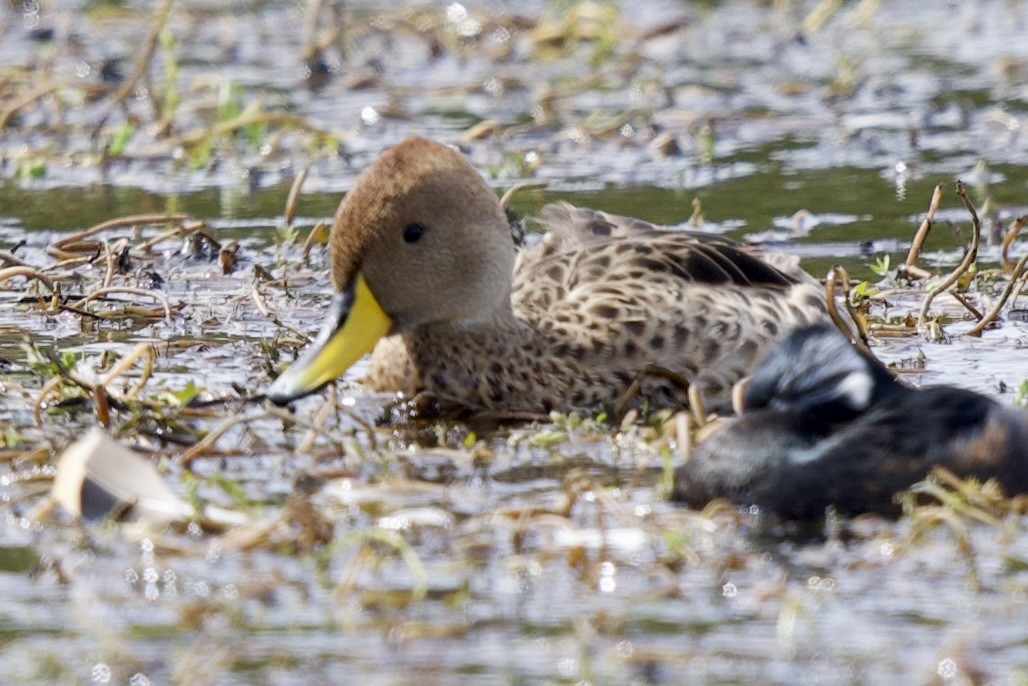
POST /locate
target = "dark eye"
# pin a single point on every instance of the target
(412, 234)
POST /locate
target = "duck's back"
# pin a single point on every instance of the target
(615, 296)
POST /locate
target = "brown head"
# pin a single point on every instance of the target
(419, 240)
(428, 235)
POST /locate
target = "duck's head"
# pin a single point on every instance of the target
(421, 239)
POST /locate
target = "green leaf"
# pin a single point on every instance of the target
(120, 138)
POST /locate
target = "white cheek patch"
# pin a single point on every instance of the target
(856, 388)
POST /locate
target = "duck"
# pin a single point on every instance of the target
(827, 425)
(428, 279)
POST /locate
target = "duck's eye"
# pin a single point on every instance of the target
(412, 234)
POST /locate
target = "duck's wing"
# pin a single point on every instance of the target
(624, 296)
(570, 228)
(583, 246)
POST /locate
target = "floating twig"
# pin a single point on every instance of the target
(1012, 232)
(838, 273)
(144, 350)
(262, 307)
(28, 99)
(293, 197)
(59, 248)
(159, 297)
(699, 412)
(509, 194)
(200, 447)
(683, 436)
(28, 272)
(319, 232)
(1015, 278)
(44, 392)
(9, 259)
(969, 257)
(635, 387)
(739, 394)
(924, 229)
(967, 305)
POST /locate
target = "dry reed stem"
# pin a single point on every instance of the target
(103, 406)
(509, 194)
(838, 273)
(1017, 291)
(251, 115)
(683, 436)
(817, 17)
(109, 272)
(200, 447)
(739, 395)
(1012, 232)
(294, 196)
(37, 406)
(27, 272)
(319, 419)
(482, 129)
(118, 223)
(925, 228)
(288, 416)
(636, 386)
(969, 257)
(142, 350)
(149, 48)
(928, 517)
(159, 297)
(699, 414)
(967, 305)
(99, 391)
(317, 233)
(263, 308)
(1015, 278)
(184, 229)
(10, 260)
(25, 101)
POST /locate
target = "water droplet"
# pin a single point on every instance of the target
(729, 590)
(456, 12)
(947, 668)
(370, 116)
(101, 673)
(139, 679)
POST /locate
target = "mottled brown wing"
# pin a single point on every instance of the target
(622, 296)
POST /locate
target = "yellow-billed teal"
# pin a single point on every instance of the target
(427, 275)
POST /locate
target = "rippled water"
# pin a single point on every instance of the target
(544, 563)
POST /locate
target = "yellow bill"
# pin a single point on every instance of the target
(354, 324)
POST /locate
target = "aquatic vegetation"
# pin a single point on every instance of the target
(360, 538)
